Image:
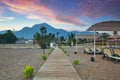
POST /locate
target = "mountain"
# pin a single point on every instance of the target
(2, 32)
(28, 32)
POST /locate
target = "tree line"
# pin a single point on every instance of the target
(46, 38)
(8, 38)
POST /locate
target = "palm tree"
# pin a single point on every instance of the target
(71, 38)
(44, 32)
(105, 36)
(62, 39)
(58, 37)
(37, 38)
(115, 32)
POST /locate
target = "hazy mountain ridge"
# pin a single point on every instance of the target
(28, 32)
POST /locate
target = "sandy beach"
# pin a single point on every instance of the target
(13, 61)
(98, 70)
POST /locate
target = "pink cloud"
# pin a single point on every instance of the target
(70, 19)
(28, 7)
(34, 9)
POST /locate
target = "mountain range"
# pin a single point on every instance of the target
(28, 32)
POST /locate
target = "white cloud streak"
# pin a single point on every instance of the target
(6, 18)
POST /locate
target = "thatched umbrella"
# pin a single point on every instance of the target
(104, 26)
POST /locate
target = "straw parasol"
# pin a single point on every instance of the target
(104, 26)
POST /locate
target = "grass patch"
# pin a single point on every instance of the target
(28, 72)
(43, 57)
(64, 50)
(68, 55)
(76, 62)
(50, 50)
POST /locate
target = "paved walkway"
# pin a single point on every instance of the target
(57, 67)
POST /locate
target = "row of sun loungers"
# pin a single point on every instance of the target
(90, 50)
(110, 53)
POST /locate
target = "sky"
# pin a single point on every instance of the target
(62, 14)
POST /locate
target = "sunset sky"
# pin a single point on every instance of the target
(65, 14)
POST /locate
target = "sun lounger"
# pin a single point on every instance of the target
(108, 53)
(87, 50)
(98, 50)
(116, 52)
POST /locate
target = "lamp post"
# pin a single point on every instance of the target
(76, 46)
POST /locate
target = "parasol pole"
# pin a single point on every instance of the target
(94, 42)
(93, 58)
(76, 45)
(102, 42)
(115, 42)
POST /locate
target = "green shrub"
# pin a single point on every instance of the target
(76, 62)
(28, 72)
(44, 57)
(68, 55)
(64, 50)
(49, 53)
(50, 50)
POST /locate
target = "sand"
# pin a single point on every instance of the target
(13, 61)
(98, 70)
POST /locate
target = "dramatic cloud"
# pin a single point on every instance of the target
(64, 11)
(6, 18)
(28, 8)
(69, 19)
(34, 9)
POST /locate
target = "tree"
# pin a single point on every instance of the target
(115, 32)
(43, 38)
(71, 38)
(43, 31)
(1, 38)
(37, 37)
(105, 36)
(9, 37)
(62, 38)
(58, 37)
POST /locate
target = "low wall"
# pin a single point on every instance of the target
(19, 46)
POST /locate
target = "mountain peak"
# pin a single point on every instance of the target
(42, 24)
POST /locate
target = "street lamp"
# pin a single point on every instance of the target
(76, 46)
